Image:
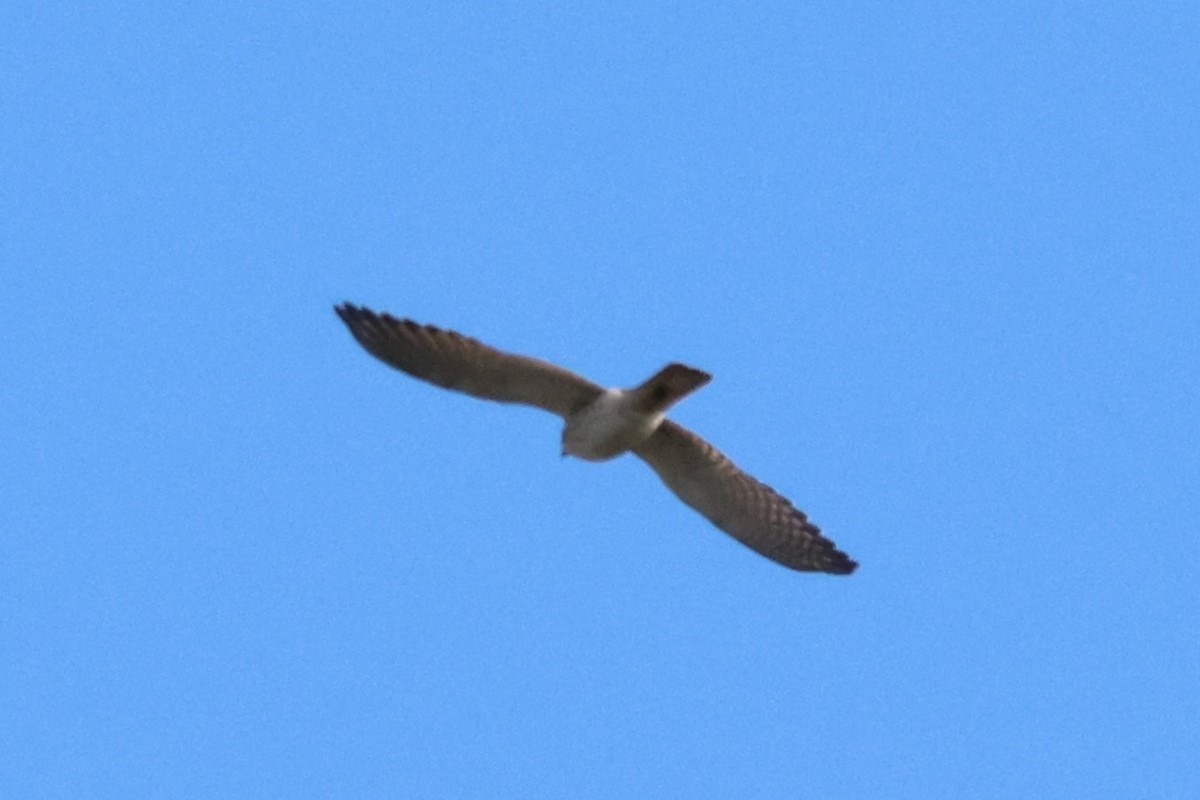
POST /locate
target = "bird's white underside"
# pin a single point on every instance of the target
(608, 426)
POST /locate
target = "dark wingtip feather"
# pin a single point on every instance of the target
(841, 564)
(352, 314)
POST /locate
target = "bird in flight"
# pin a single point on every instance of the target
(604, 423)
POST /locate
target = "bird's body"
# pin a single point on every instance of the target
(607, 427)
(600, 424)
(619, 420)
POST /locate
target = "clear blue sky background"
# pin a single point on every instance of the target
(943, 261)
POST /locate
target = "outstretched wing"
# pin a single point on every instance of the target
(458, 362)
(750, 511)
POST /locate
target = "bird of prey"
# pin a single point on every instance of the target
(604, 423)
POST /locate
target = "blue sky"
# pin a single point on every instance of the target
(942, 261)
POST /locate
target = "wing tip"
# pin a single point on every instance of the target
(840, 564)
(357, 317)
(352, 314)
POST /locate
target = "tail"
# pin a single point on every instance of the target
(668, 386)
